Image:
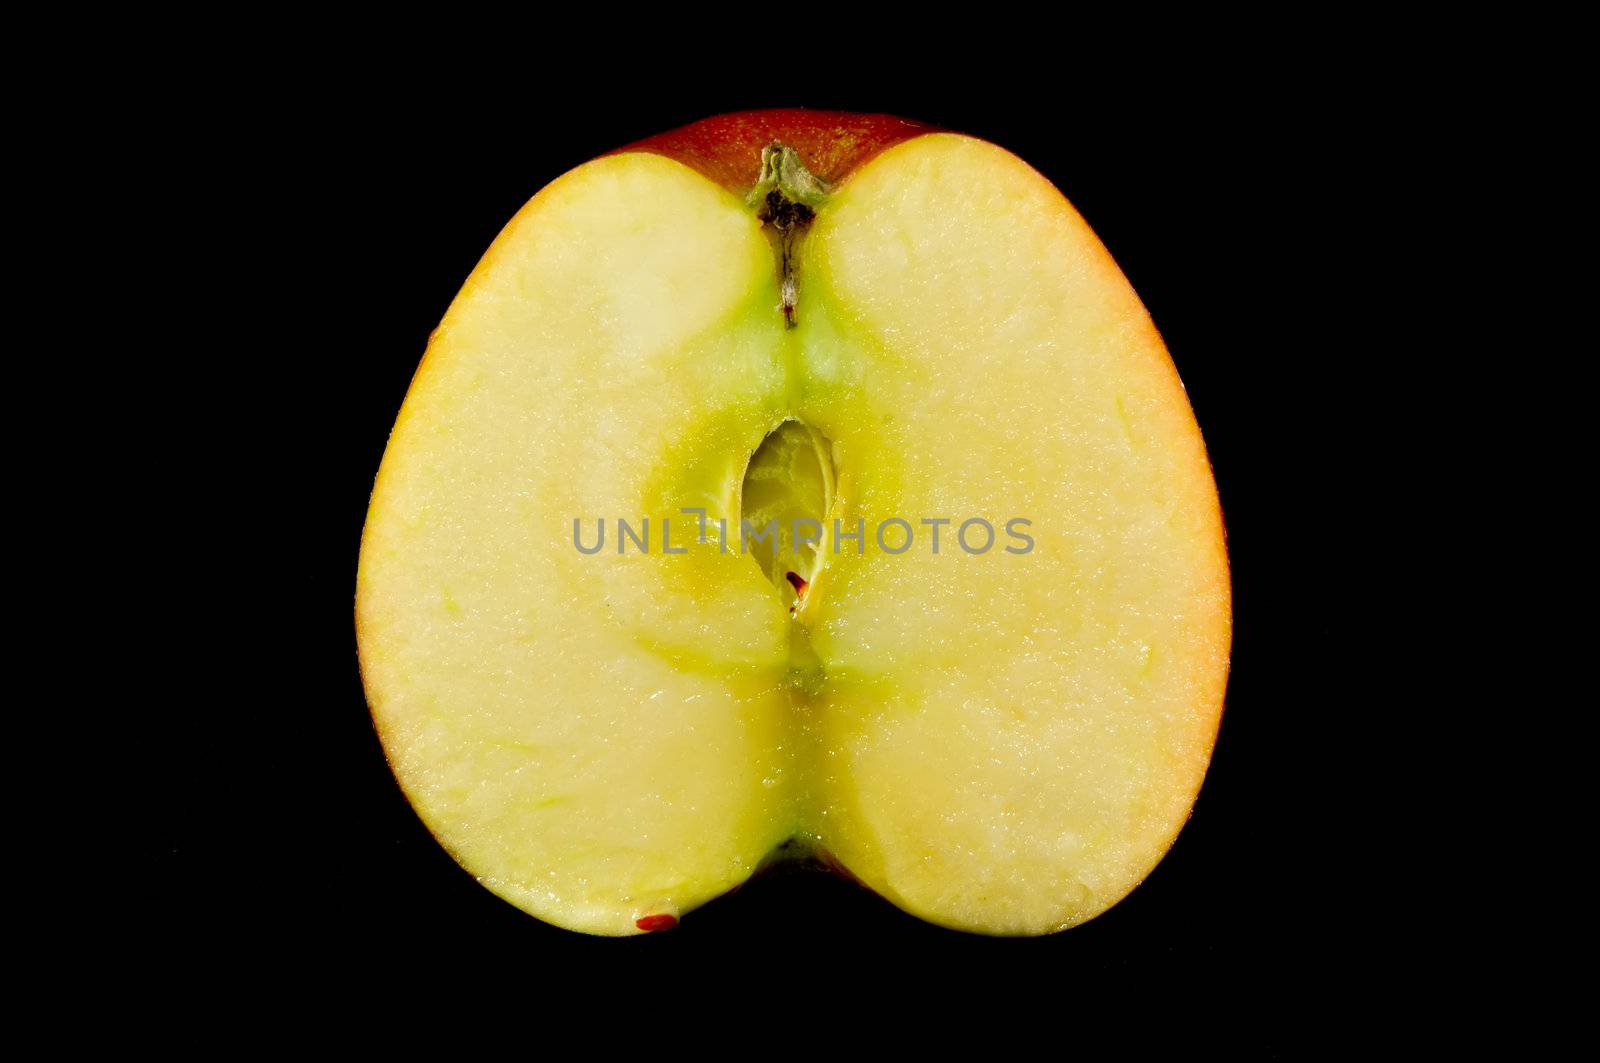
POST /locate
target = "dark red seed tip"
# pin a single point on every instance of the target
(651, 923)
(797, 583)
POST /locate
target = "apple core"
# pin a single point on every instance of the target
(786, 501)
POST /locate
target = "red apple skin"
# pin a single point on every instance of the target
(727, 149)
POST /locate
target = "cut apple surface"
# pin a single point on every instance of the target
(980, 665)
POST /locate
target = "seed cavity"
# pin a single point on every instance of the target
(785, 507)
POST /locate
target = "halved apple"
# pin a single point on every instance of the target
(981, 663)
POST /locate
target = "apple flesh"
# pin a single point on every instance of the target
(1000, 742)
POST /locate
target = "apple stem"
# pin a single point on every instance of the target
(786, 198)
(784, 173)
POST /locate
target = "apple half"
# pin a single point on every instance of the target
(798, 316)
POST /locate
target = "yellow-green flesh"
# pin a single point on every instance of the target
(1002, 742)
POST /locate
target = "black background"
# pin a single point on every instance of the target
(282, 835)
